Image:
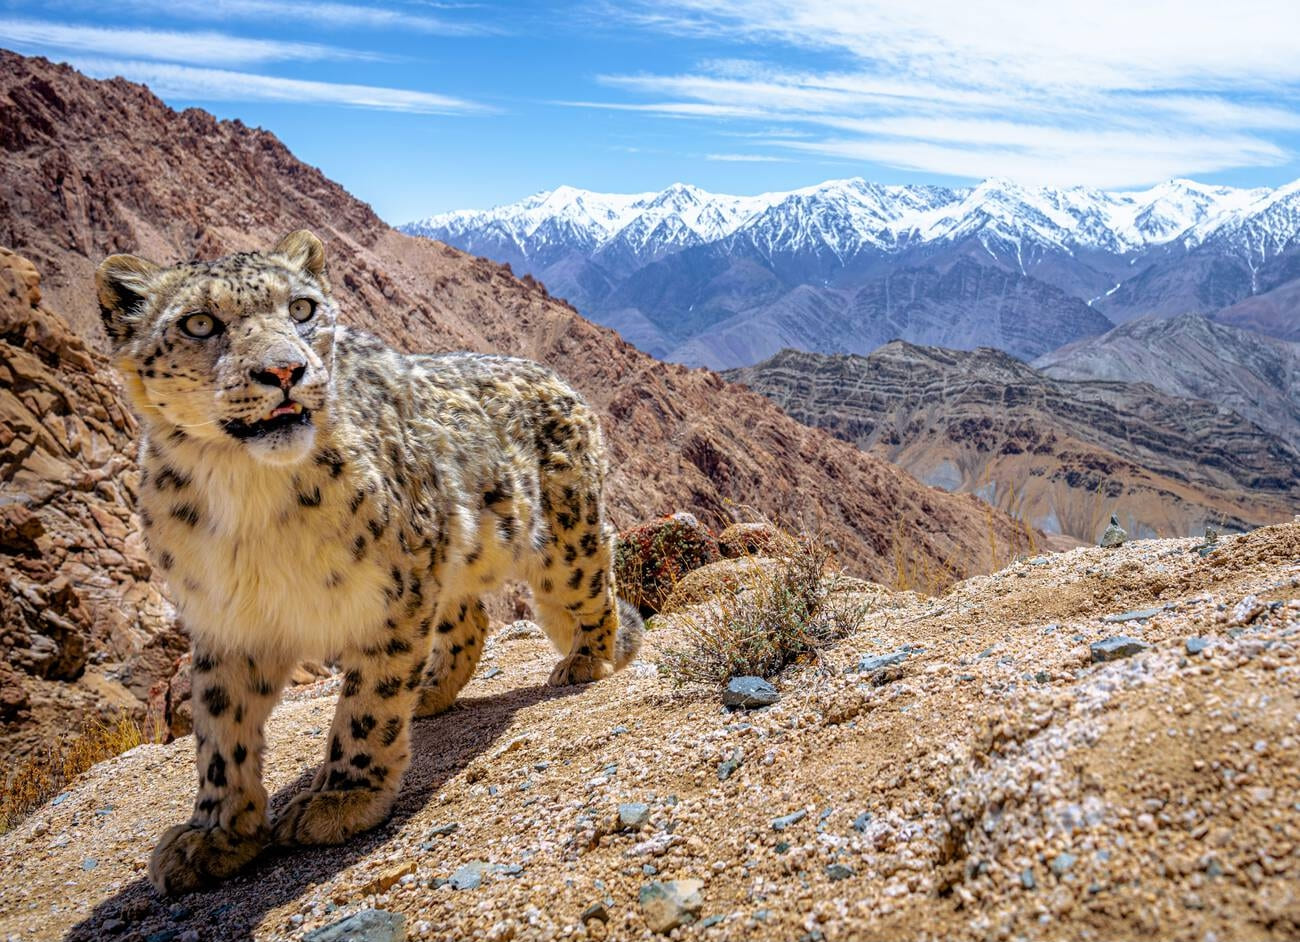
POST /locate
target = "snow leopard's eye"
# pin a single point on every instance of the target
(302, 309)
(200, 325)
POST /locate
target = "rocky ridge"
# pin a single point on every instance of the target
(1064, 453)
(1192, 356)
(963, 767)
(84, 627)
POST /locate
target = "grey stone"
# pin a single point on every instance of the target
(1112, 649)
(1062, 863)
(727, 767)
(90, 863)
(492, 672)
(1027, 879)
(595, 911)
(1115, 535)
(749, 693)
(469, 876)
(877, 662)
(836, 872)
(632, 815)
(789, 820)
(670, 904)
(444, 829)
(861, 821)
(1137, 614)
(1196, 645)
(369, 925)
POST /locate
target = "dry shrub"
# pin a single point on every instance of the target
(43, 774)
(787, 613)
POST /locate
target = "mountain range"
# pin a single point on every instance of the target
(847, 265)
(1062, 453)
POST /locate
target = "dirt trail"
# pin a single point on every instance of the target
(996, 784)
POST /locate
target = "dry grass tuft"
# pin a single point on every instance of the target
(42, 775)
(785, 613)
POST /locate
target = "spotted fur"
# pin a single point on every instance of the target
(362, 521)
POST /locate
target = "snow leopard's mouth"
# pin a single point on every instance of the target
(284, 416)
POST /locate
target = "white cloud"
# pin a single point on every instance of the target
(198, 84)
(287, 12)
(202, 47)
(747, 158)
(1108, 93)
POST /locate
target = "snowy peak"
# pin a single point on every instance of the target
(851, 215)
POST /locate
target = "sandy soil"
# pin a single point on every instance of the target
(996, 784)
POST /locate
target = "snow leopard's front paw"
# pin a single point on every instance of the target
(331, 817)
(579, 669)
(189, 857)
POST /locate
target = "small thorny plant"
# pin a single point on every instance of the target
(785, 615)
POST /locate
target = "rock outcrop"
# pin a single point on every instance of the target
(84, 626)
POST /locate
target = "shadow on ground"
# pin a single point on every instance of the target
(440, 748)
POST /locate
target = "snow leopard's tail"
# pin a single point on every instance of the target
(631, 631)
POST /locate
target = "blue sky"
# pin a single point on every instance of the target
(420, 107)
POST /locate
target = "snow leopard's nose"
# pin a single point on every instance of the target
(282, 377)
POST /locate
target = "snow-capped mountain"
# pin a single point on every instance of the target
(678, 270)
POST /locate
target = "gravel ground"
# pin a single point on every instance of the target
(1003, 779)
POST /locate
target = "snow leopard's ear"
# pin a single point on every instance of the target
(303, 251)
(122, 283)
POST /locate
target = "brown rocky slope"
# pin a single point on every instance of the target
(78, 602)
(1062, 453)
(1011, 775)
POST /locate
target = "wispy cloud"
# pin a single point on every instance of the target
(747, 158)
(1109, 93)
(199, 84)
(320, 15)
(206, 48)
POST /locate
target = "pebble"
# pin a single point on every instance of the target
(1114, 535)
(1137, 614)
(469, 876)
(1196, 645)
(749, 693)
(789, 820)
(861, 821)
(670, 904)
(1027, 879)
(1112, 649)
(595, 911)
(633, 815)
(492, 672)
(728, 766)
(836, 872)
(1247, 610)
(442, 829)
(369, 925)
(1062, 863)
(876, 662)
(90, 863)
